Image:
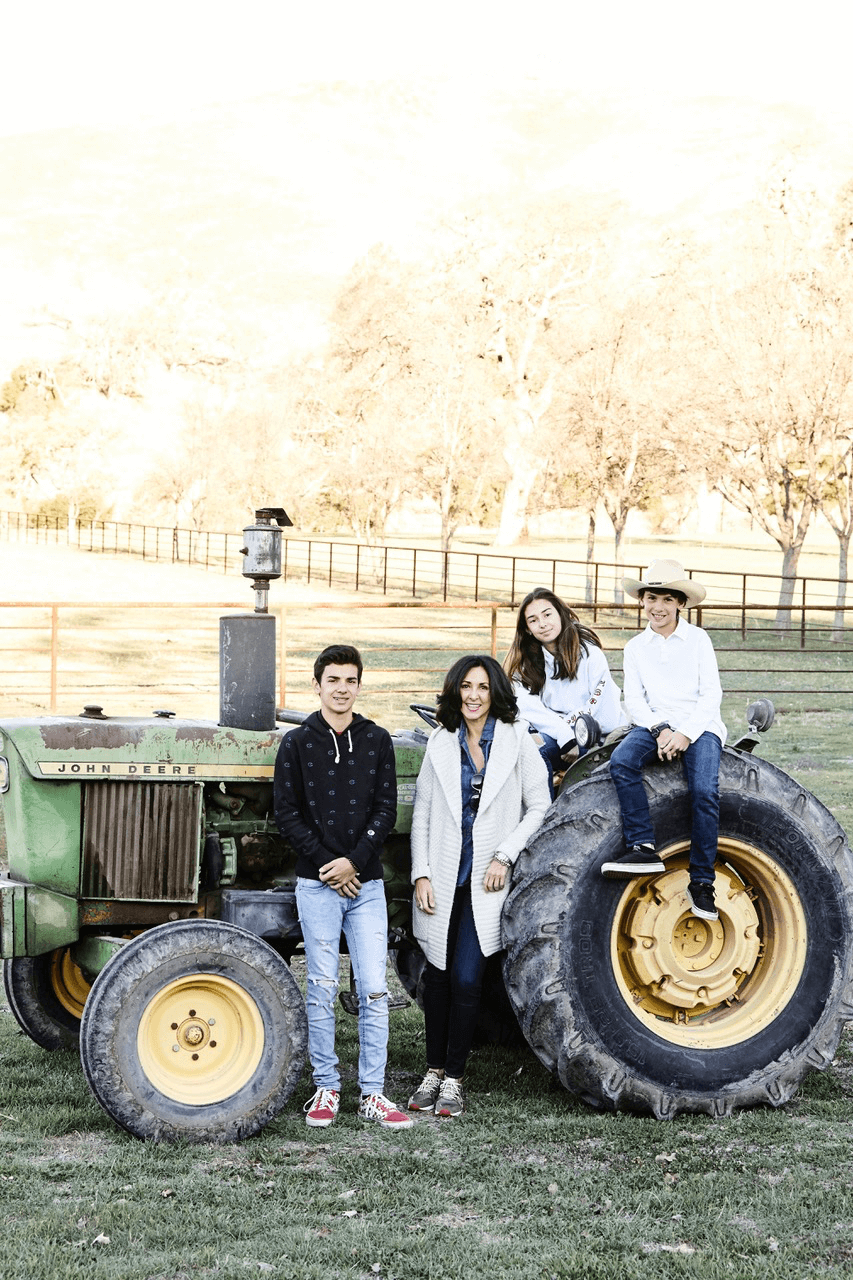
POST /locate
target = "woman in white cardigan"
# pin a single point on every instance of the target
(482, 792)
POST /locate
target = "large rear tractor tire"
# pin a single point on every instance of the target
(194, 1030)
(46, 995)
(636, 1003)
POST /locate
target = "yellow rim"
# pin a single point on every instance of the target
(69, 985)
(200, 1039)
(707, 984)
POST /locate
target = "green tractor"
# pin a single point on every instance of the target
(149, 916)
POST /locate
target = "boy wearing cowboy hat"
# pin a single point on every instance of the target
(672, 695)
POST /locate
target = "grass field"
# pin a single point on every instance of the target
(530, 1183)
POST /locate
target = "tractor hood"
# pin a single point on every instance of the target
(151, 748)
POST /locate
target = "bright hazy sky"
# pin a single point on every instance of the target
(94, 61)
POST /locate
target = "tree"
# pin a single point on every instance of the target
(360, 402)
(784, 379)
(621, 417)
(523, 292)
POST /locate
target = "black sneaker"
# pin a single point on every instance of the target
(640, 860)
(701, 899)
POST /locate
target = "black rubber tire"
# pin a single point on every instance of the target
(558, 925)
(32, 999)
(136, 976)
(496, 1023)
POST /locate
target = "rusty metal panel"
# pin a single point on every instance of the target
(141, 840)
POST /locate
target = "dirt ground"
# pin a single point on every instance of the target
(54, 575)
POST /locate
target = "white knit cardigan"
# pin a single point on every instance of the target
(514, 801)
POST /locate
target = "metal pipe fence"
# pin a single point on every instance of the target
(416, 572)
(133, 658)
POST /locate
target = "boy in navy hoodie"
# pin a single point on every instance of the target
(335, 802)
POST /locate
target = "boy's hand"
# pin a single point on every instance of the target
(341, 875)
(671, 743)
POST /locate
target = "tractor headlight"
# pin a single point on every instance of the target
(4, 774)
(760, 715)
(587, 731)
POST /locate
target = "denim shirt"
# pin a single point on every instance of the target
(469, 772)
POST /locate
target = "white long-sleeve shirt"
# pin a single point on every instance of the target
(555, 709)
(674, 678)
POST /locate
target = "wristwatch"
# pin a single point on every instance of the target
(503, 858)
(657, 729)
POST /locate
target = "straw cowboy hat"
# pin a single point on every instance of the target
(666, 575)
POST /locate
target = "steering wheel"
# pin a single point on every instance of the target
(426, 712)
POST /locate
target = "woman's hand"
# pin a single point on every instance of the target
(495, 879)
(424, 900)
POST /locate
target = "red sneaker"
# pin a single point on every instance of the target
(377, 1107)
(322, 1109)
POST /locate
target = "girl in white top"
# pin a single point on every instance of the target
(558, 671)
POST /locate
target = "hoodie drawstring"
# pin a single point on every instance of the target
(335, 740)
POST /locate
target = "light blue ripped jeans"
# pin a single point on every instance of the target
(323, 914)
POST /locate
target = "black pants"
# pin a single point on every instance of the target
(452, 995)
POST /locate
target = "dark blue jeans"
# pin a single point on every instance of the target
(702, 767)
(550, 753)
(452, 995)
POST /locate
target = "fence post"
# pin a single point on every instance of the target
(595, 596)
(494, 631)
(54, 653)
(310, 544)
(743, 608)
(477, 577)
(414, 571)
(385, 574)
(357, 562)
(445, 572)
(803, 618)
(512, 589)
(331, 547)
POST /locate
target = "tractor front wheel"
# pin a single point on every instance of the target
(194, 1030)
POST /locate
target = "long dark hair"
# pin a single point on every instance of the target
(503, 704)
(525, 661)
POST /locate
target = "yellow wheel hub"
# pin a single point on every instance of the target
(69, 984)
(710, 983)
(200, 1039)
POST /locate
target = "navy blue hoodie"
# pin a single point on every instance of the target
(335, 794)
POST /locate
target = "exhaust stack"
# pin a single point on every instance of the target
(247, 645)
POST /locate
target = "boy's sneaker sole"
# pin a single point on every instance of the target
(632, 865)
